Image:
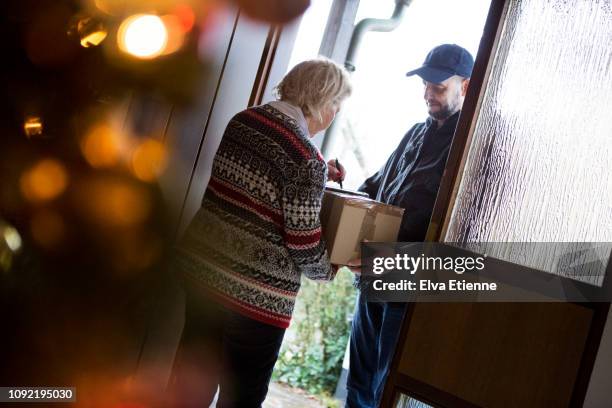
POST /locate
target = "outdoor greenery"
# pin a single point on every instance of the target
(314, 347)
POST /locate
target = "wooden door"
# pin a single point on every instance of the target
(516, 354)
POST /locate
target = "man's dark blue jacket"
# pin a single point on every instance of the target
(411, 176)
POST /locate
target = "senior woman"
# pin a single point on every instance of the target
(256, 234)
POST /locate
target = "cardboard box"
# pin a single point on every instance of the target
(347, 219)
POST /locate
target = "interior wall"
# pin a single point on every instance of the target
(193, 136)
(281, 59)
(235, 87)
(186, 127)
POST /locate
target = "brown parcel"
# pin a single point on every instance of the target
(348, 219)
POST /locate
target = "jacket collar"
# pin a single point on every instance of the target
(449, 125)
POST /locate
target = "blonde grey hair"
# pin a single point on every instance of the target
(314, 85)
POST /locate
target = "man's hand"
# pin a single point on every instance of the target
(335, 173)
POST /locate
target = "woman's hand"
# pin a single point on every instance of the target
(335, 171)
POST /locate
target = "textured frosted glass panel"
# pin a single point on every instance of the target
(404, 401)
(539, 166)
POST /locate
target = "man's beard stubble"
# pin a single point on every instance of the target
(443, 113)
(446, 110)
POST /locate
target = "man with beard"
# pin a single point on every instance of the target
(409, 179)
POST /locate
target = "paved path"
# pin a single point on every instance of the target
(282, 396)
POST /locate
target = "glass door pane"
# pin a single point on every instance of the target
(538, 167)
(404, 401)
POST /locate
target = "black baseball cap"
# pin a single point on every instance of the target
(443, 62)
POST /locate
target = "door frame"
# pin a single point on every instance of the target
(449, 186)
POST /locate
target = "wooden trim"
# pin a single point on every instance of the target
(388, 397)
(591, 347)
(438, 398)
(455, 163)
(265, 65)
(398, 382)
(600, 317)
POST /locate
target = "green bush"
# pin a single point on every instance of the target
(312, 354)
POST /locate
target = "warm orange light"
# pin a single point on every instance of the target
(130, 405)
(93, 39)
(176, 33)
(115, 203)
(135, 252)
(91, 31)
(126, 205)
(143, 36)
(101, 147)
(33, 126)
(47, 228)
(185, 15)
(111, 7)
(149, 160)
(44, 181)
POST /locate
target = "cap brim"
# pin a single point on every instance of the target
(429, 74)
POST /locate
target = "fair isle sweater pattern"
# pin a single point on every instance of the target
(258, 229)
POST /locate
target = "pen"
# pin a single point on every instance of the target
(338, 167)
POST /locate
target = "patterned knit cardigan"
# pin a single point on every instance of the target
(258, 229)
